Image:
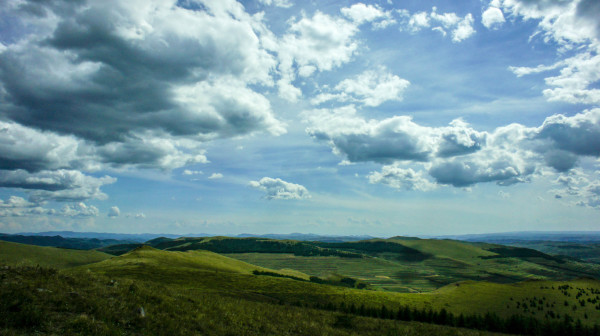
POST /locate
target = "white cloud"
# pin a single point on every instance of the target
(59, 185)
(79, 210)
(192, 172)
(456, 154)
(492, 18)
(321, 42)
(392, 139)
(17, 206)
(464, 29)
(215, 176)
(371, 88)
(114, 212)
(140, 215)
(194, 89)
(277, 3)
(461, 28)
(16, 202)
(578, 188)
(361, 13)
(276, 188)
(573, 25)
(400, 178)
(418, 21)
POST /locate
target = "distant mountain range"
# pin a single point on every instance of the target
(510, 237)
(143, 237)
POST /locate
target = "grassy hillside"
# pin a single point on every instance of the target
(586, 251)
(203, 292)
(16, 254)
(422, 265)
(146, 258)
(206, 272)
(59, 241)
(43, 301)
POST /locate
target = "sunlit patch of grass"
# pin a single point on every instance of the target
(28, 255)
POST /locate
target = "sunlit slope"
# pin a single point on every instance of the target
(407, 265)
(86, 303)
(145, 257)
(579, 298)
(205, 272)
(16, 254)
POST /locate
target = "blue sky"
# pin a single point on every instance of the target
(276, 116)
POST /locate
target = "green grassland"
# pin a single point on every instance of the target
(27, 255)
(209, 272)
(44, 301)
(426, 264)
(586, 251)
(148, 291)
(209, 293)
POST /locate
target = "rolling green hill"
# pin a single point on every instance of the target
(396, 264)
(145, 258)
(16, 254)
(207, 272)
(59, 241)
(43, 301)
(204, 292)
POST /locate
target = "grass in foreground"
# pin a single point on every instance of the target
(36, 300)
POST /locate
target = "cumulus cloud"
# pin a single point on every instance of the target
(79, 210)
(17, 206)
(192, 172)
(16, 202)
(400, 178)
(59, 185)
(99, 85)
(574, 26)
(149, 74)
(361, 13)
(277, 3)
(215, 176)
(578, 188)
(140, 215)
(456, 154)
(276, 188)
(371, 88)
(464, 29)
(392, 139)
(492, 18)
(320, 42)
(114, 212)
(460, 28)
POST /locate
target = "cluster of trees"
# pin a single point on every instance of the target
(342, 281)
(377, 246)
(515, 324)
(254, 245)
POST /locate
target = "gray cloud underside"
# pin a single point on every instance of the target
(92, 85)
(457, 154)
(59, 185)
(131, 70)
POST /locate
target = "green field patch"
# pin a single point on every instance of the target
(16, 254)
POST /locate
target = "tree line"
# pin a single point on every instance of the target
(515, 324)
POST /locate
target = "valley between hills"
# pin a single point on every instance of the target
(262, 286)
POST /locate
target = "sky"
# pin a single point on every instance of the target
(381, 118)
